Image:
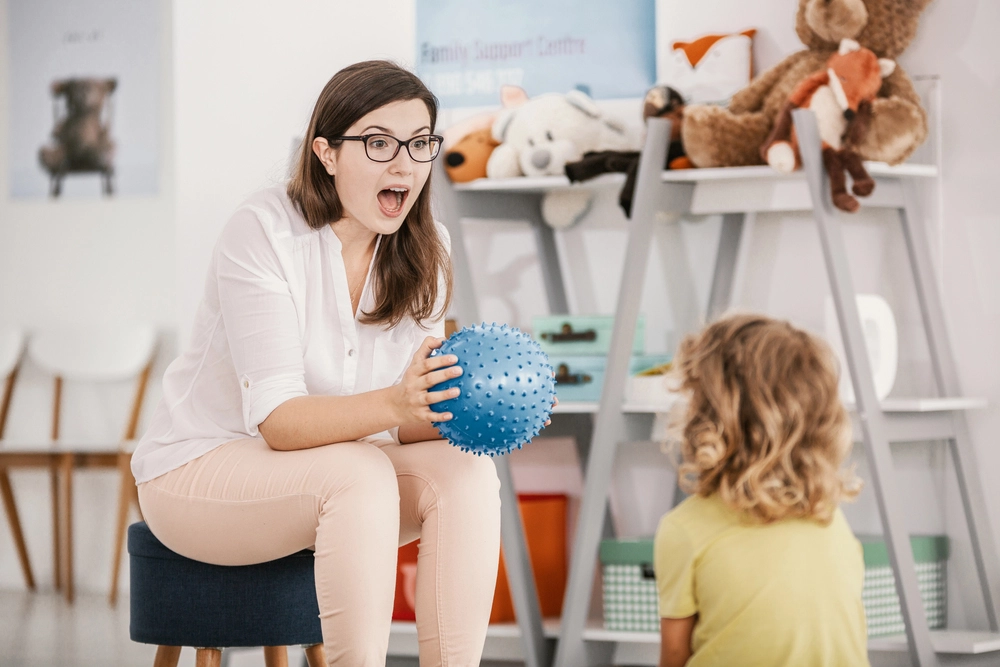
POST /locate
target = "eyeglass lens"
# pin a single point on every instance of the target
(383, 147)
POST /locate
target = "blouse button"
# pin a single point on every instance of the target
(246, 384)
(350, 352)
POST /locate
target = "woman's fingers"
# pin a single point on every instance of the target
(438, 396)
(433, 363)
(437, 377)
(429, 345)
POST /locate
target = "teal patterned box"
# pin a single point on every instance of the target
(581, 334)
(882, 609)
(581, 378)
(630, 598)
(629, 586)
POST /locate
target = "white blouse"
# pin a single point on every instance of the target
(275, 322)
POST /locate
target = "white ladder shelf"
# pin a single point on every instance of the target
(734, 192)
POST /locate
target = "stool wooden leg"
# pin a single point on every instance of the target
(315, 656)
(208, 657)
(275, 656)
(167, 656)
(7, 492)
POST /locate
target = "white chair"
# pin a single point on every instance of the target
(11, 349)
(92, 355)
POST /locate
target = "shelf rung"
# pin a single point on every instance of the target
(964, 642)
(889, 405)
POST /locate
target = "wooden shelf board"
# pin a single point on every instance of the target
(889, 405)
(596, 632)
(541, 184)
(944, 641)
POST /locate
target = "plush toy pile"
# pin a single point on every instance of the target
(718, 123)
(841, 97)
(717, 136)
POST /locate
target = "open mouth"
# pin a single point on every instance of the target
(391, 200)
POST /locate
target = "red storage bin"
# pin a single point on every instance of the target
(544, 518)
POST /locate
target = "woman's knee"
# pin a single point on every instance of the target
(356, 470)
(464, 477)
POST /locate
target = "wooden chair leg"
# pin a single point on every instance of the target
(10, 506)
(167, 656)
(56, 528)
(275, 656)
(315, 655)
(66, 496)
(126, 492)
(208, 657)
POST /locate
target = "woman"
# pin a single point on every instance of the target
(299, 415)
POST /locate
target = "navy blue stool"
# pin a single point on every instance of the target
(176, 601)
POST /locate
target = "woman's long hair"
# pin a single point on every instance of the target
(764, 425)
(410, 262)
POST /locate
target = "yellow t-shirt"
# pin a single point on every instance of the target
(787, 593)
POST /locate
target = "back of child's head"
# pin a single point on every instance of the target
(764, 427)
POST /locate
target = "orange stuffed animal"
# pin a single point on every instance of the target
(468, 144)
(841, 98)
(466, 160)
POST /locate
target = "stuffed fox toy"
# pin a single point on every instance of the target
(840, 96)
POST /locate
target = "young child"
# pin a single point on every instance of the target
(759, 566)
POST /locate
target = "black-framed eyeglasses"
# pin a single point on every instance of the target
(385, 147)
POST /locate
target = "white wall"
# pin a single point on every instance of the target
(236, 119)
(245, 76)
(81, 262)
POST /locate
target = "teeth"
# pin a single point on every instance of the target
(397, 189)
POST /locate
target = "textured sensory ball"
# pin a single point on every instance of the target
(507, 389)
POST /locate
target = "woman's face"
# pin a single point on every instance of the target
(378, 195)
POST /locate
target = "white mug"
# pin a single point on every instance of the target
(881, 339)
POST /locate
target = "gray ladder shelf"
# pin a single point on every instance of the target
(734, 192)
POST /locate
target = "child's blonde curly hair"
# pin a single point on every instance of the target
(764, 426)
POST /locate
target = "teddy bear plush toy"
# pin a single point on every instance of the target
(715, 136)
(81, 139)
(469, 143)
(539, 137)
(840, 96)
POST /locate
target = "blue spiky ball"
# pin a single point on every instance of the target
(507, 389)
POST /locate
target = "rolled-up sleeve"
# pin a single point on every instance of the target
(260, 319)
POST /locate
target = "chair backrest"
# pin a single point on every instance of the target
(96, 354)
(11, 347)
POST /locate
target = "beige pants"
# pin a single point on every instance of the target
(355, 503)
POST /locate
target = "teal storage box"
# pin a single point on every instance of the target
(581, 334)
(580, 378)
(629, 586)
(630, 598)
(882, 610)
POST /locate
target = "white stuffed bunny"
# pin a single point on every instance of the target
(539, 137)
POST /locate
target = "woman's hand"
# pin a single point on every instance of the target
(412, 398)
(555, 402)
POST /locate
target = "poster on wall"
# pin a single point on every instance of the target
(84, 98)
(467, 50)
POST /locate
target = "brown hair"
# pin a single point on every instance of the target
(411, 261)
(764, 425)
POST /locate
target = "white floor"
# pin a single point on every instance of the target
(41, 630)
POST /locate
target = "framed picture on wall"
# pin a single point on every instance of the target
(467, 50)
(84, 98)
